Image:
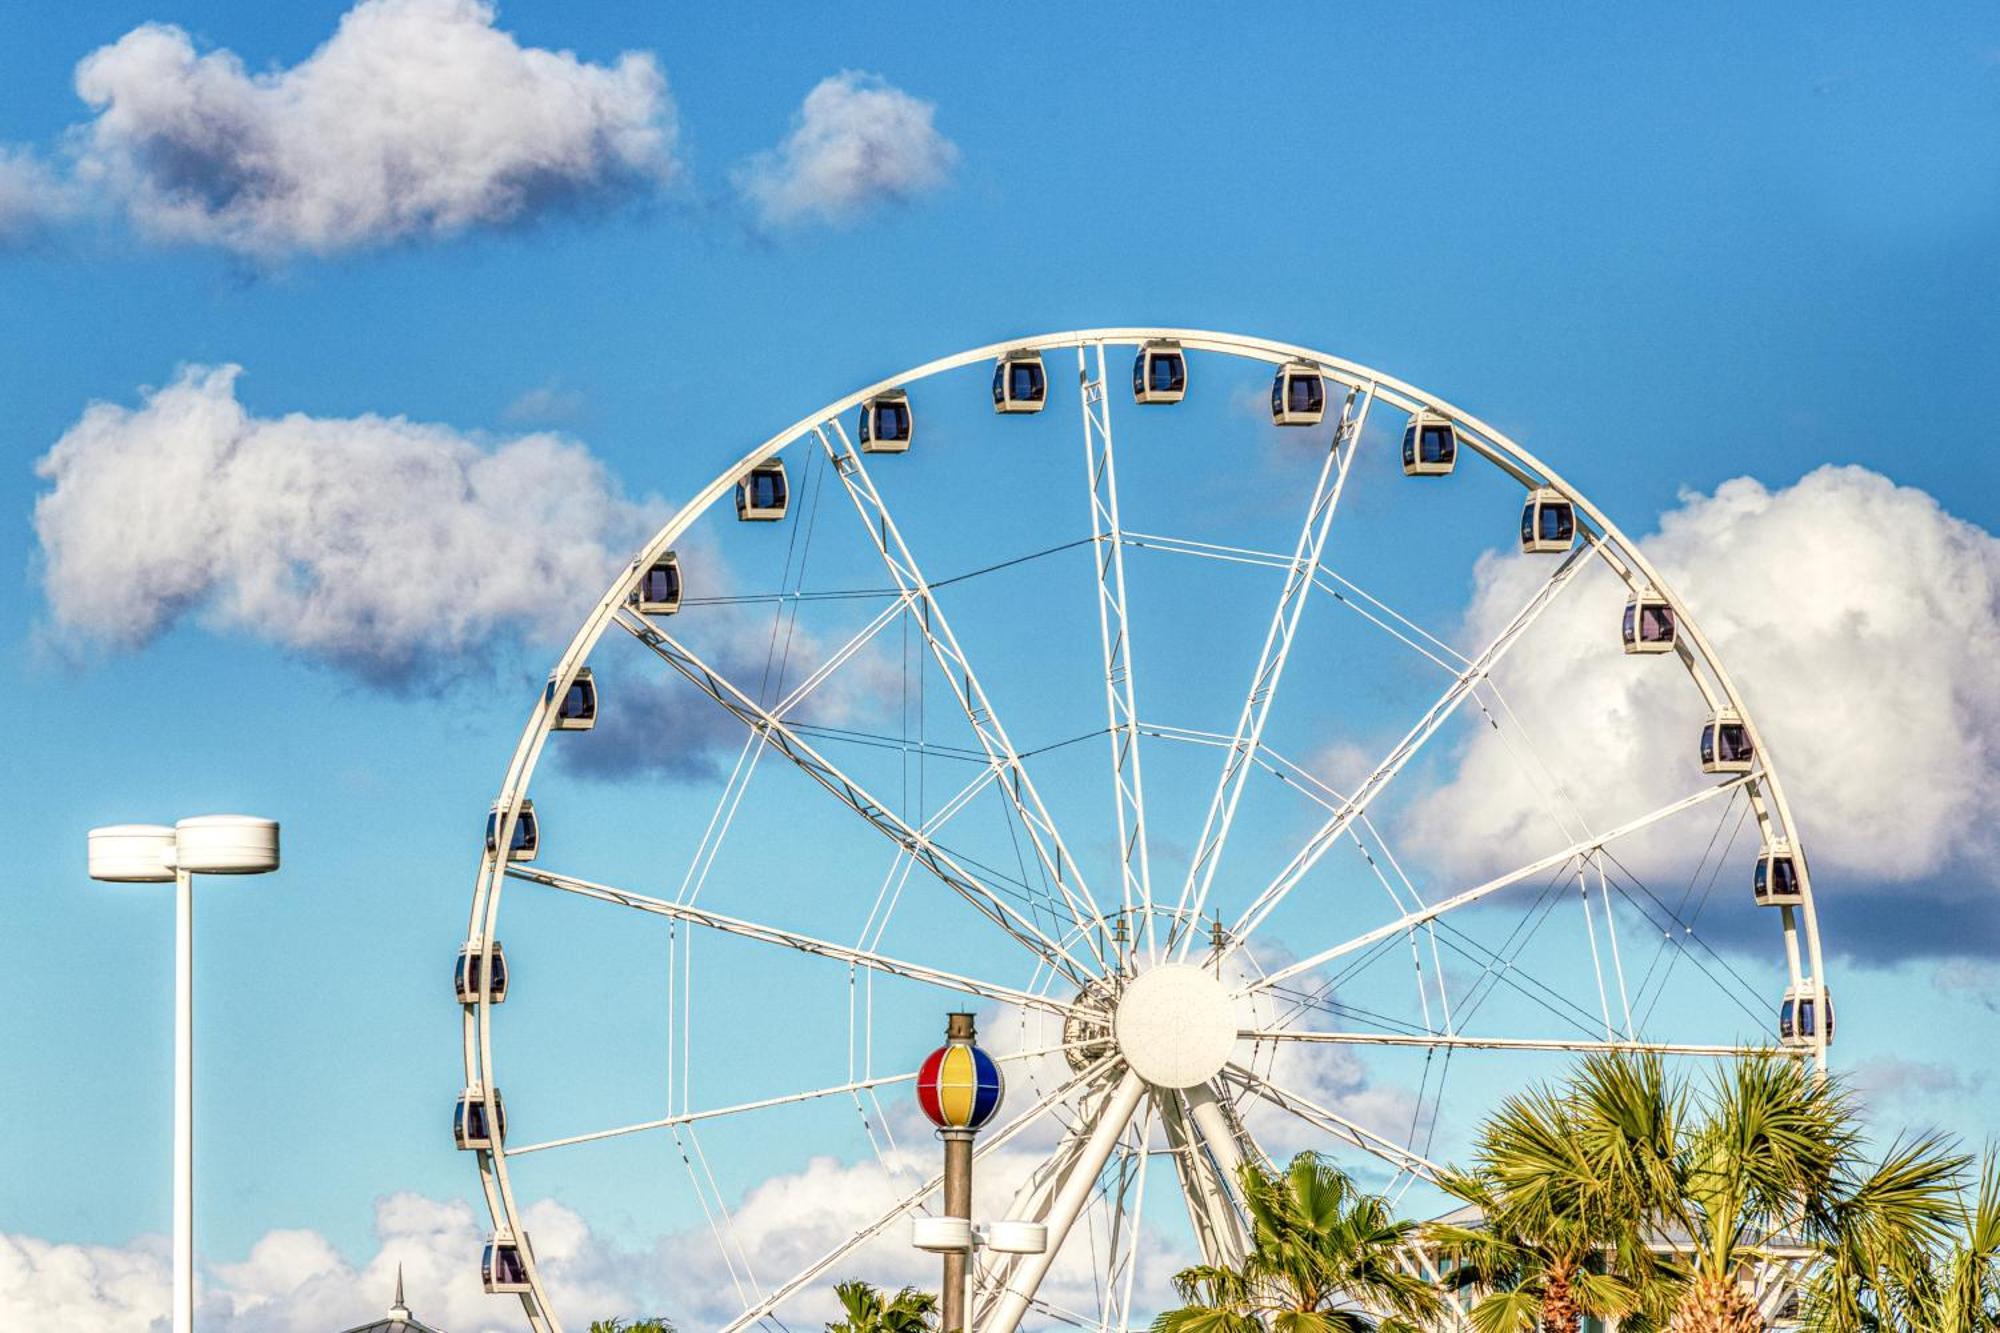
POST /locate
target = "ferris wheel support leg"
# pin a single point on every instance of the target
(1069, 1201)
(1204, 1184)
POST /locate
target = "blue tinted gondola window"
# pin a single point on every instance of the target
(1527, 514)
(1438, 445)
(1557, 523)
(1167, 370)
(1410, 456)
(892, 421)
(1026, 384)
(1656, 624)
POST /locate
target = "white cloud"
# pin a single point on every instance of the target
(294, 1281)
(417, 117)
(858, 143)
(390, 548)
(31, 196)
(1857, 617)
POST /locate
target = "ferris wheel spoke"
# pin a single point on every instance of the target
(787, 939)
(1332, 1122)
(785, 739)
(992, 1143)
(1270, 670)
(742, 1108)
(1456, 1041)
(972, 700)
(1406, 749)
(1443, 906)
(1115, 633)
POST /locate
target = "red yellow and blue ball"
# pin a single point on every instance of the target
(959, 1087)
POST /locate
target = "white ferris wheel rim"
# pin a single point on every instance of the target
(1596, 532)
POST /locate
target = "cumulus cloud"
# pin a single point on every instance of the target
(393, 549)
(294, 1281)
(857, 144)
(416, 118)
(32, 197)
(1857, 617)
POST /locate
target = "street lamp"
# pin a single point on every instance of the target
(156, 854)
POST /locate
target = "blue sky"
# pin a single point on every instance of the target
(1663, 251)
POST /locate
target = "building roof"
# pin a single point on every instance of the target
(399, 1319)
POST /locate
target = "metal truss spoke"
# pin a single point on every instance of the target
(1270, 669)
(1461, 1042)
(701, 916)
(991, 1144)
(762, 1104)
(1115, 630)
(930, 619)
(786, 741)
(1491, 886)
(1333, 1123)
(1406, 749)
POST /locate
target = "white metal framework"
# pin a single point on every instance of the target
(1061, 952)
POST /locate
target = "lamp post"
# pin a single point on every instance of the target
(156, 854)
(959, 1088)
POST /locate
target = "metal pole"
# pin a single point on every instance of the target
(957, 1197)
(183, 1102)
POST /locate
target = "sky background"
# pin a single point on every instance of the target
(1665, 252)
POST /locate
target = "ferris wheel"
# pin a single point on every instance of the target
(936, 701)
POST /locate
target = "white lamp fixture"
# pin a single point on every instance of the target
(156, 854)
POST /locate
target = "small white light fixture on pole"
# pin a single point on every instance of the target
(956, 1235)
(156, 854)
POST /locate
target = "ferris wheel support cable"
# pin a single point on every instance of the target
(1493, 885)
(701, 916)
(1270, 670)
(1461, 1042)
(1379, 1145)
(1324, 577)
(740, 1108)
(931, 621)
(780, 736)
(1427, 726)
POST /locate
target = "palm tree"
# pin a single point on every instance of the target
(1323, 1255)
(869, 1311)
(1926, 1281)
(632, 1326)
(1771, 1149)
(1537, 1268)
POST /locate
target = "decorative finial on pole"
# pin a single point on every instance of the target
(399, 1310)
(959, 1088)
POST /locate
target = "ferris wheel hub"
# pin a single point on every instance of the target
(1175, 1026)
